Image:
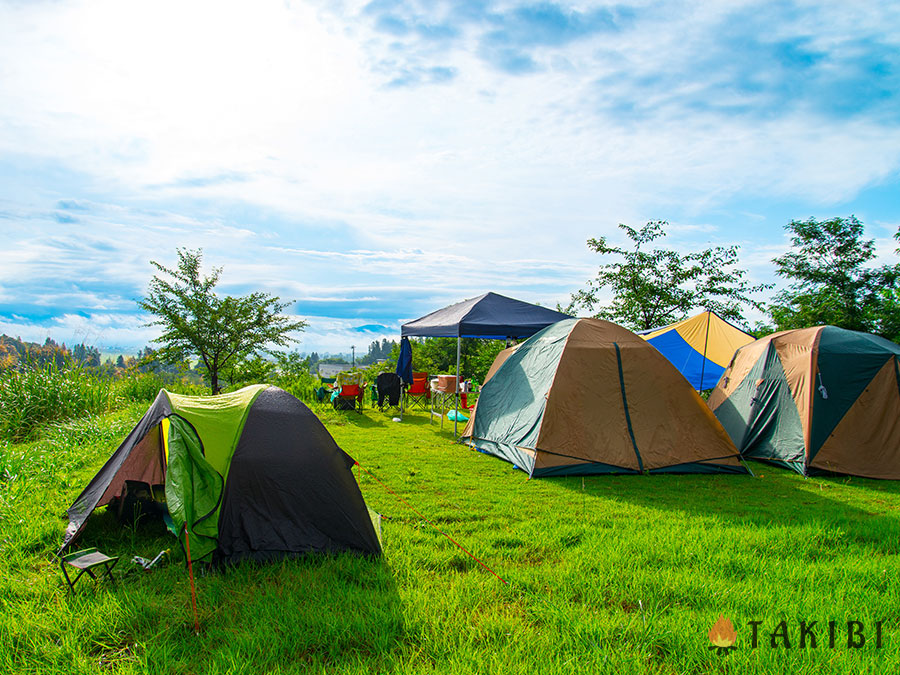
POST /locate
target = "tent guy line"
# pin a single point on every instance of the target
(423, 517)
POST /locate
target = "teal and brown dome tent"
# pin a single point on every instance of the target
(252, 474)
(585, 396)
(817, 400)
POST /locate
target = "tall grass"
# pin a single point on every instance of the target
(38, 397)
(144, 387)
(34, 396)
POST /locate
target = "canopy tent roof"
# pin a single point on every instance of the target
(700, 346)
(487, 316)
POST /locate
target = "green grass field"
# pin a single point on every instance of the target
(617, 574)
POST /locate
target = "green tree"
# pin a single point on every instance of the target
(438, 355)
(831, 282)
(377, 351)
(197, 323)
(651, 288)
(294, 375)
(86, 356)
(240, 372)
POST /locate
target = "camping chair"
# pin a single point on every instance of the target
(418, 393)
(322, 392)
(85, 561)
(388, 388)
(349, 392)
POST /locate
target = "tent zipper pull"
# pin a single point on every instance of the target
(822, 389)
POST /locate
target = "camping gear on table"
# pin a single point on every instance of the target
(489, 316)
(252, 474)
(700, 346)
(816, 400)
(586, 396)
(444, 383)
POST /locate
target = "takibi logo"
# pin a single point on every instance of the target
(722, 635)
(808, 635)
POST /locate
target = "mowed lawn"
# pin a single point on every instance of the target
(618, 574)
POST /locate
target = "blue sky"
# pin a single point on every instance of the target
(374, 161)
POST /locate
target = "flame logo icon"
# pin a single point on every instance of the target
(722, 635)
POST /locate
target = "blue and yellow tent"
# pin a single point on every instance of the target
(700, 347)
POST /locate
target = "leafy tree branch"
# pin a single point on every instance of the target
(652, 287)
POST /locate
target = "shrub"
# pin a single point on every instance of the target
(300, 384)
(144, 387)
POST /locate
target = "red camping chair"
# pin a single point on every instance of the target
(418, 394)
(350, 389)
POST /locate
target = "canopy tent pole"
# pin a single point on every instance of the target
(456, 416)
(705, 344)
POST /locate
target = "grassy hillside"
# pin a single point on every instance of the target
(607, 574)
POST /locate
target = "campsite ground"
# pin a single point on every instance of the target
(619, 574)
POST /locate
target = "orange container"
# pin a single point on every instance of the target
(446, 383)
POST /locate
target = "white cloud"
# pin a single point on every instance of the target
(264, 133)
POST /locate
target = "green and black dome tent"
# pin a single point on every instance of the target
(253, 474)
(817, 400)
(585, 396)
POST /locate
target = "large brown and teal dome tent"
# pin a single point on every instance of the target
(253, 474)
(817, 400)
(585, 396)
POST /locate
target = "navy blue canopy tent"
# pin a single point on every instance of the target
(489, 316)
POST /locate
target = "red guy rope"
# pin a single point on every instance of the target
(418, 513)
(187, 542)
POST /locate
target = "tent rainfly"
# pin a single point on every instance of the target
(489, 316)
(252, 474)
(586, 396)
(700, 346)
(817, 400)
